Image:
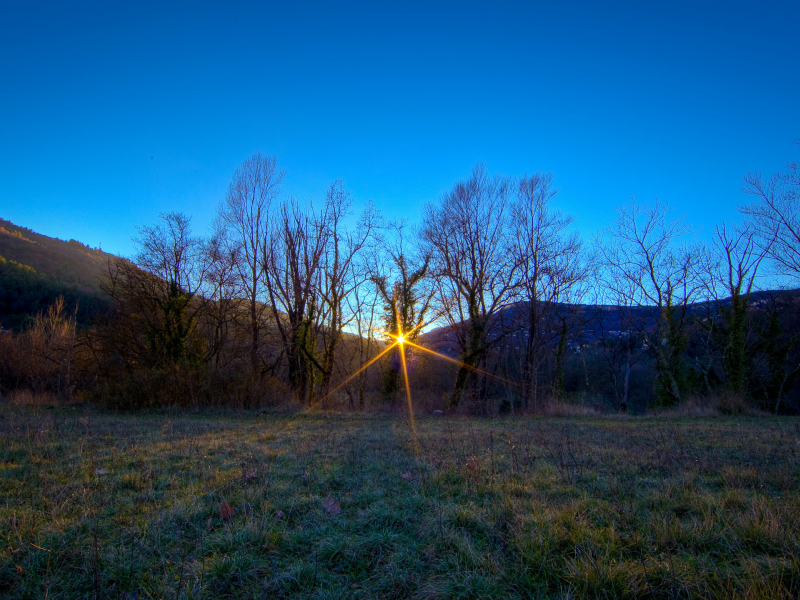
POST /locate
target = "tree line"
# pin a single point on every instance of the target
(287, 300)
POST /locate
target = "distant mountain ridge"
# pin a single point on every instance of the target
(595, 321)
(36, 269)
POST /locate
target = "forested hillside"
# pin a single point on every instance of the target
(36, 269)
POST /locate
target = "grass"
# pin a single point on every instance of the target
(98, 505)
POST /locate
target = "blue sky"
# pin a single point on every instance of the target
(111, 113)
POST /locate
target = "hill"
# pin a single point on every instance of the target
(36, 269)
(591, 323)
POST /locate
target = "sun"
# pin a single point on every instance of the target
(401, 342)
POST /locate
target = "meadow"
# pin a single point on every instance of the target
(97, 504)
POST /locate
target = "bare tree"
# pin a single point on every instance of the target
(245, 215)
(466, 235)
(219, 296)
(362, 305)
(153, 323)
(340, 273)
(731, 271)
(552, 269)
(48, 349)
(169, 251)
(569, 287)
(291, 266)
(776, 215)
(620, 346)
(649, 267)
(169, 271)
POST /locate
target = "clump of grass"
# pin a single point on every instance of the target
(27, 398)
(720, 404)
(114, 505)
(563, 409)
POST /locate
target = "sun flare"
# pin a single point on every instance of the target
(401, 342)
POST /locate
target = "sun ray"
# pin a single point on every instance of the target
(349, 379)
(408, 392)
(398, 324)
(401, 339)
(405, 335)
(462, 364)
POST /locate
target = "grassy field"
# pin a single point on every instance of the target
(96, 505)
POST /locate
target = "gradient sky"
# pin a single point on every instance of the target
(112, 112)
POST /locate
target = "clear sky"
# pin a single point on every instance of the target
(112, 112)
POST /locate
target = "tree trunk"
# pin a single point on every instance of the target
(470, 360)
(626, 383)
(530, 372)
(254, 334)
(558, 380)
(735, 357)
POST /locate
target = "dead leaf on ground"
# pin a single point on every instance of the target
(407, 476)
(331, 506)
(101, 471)
(225, 511)
(10, 549)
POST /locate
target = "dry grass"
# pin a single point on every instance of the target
(27, 398)
(120, 506)
(720, 404)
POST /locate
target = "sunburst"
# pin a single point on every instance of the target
(400, 341)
